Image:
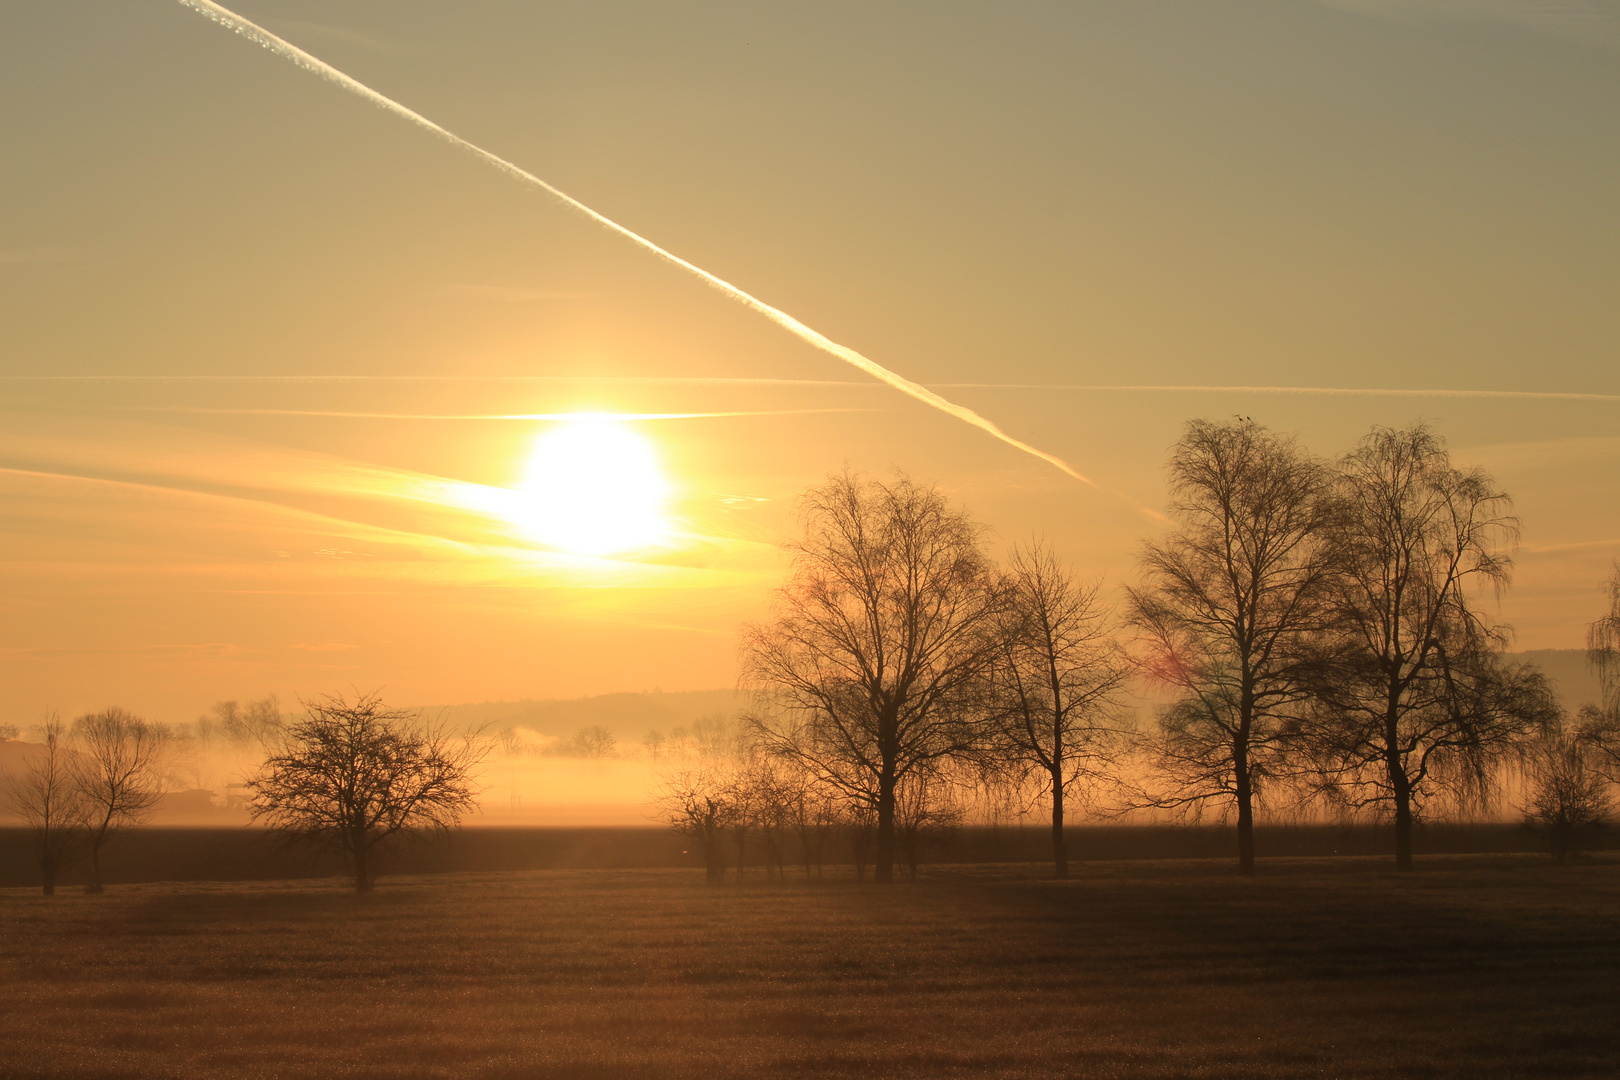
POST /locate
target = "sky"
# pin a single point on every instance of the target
(271, 357)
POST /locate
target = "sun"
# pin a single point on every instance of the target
(593, 487)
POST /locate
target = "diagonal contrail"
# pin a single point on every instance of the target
(258, 34)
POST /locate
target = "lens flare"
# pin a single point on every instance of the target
(594, 487)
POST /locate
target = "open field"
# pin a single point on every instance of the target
(1474, 966)
(247, 854)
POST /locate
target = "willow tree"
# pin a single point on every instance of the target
(1058, 677)
(872, 665)
(1417, 701)
(1600, 723)
(1228, 611)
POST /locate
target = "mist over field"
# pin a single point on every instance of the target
(539, 773)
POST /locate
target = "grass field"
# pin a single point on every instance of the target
(1474, 966)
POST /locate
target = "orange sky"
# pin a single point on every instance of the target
(252, 328)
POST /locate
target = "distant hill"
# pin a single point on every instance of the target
(629, 717)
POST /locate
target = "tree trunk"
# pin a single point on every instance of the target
(1403, 823)
(1060, 846)
(1401, 789)
(883, 869)
(714, 856)
(362, 868)
(1245, 813)
(47, 866)
(95, 870)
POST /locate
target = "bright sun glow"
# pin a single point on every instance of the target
(593, 487)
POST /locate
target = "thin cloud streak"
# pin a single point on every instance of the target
(1330, 391)
(655, 380)
(1590, 22)
(356, 530)
(376, 503)
(262, 37)
(399, 552)
(724, 380)
(32, 256)
(626, 416)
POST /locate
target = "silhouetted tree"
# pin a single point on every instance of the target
(594, 741)
(253, 724)
(45, 794)
(1416, 699)
(351, 777)
(873, 664)
(769, 794)
(815, 813)
(656, 743)
(117, 769)
(700, 804)
(1600, 723)
(1567, 795)
(860, 823)
(1057, 677)
(925, 808)
(1228, 608)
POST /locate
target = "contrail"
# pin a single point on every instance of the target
(257, 34)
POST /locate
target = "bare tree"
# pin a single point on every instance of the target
(925, 808)
(1600, 723)
(253, 724)
(45, 794)
(873, 664)
(815, 812)
(768, 795)
(594, 741)
(1416, 701)
(699, 804)
(118, 771)
(1058, 676)
(1568, 796)
(860, 822)
(1227, 611)
(351, 777)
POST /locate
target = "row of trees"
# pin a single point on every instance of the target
(738, 803)
(89, 779)
(1316, 626)
(346, 776)
(1575, 769)
(106, 771)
